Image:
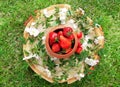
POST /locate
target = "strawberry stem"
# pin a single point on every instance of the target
(69, 33)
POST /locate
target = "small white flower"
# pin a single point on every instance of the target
(54, 58)
(31, 56)
(63, 10)
(71, 21)
(48, 72)
(79, 76)
(96, 41)
(43, 38)
(75, 26)
(82, 75)
(91, 62)
(87, 38)
(32, 31)
(45, 12)
(100, 37)
(33, 23)
(62, 15)
(84, 45)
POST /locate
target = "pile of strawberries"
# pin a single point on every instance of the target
(62, 40)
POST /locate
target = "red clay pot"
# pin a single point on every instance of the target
(49, 50)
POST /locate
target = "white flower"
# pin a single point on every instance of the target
(100, 37)
(75, 26)
(96, 41)
(91, 62)
(43, 38)
(87, 38)
(84, 45)
(62, 15)
(48, 72)
(45, 12)
(32, 31)
(54, 58)
(63, 10)
(71, 21)
(62, 18)
(79, 76)
(82, 75)
(31, 56)
(33, 23)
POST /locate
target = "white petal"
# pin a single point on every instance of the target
(82, 75)
(84, 45)
(36, 56)
(100, 37)
(43, 38)
(48, 72)
(54, 58)
(87, 38)
(45, 12)
(62, 13)
(33, 31)
(28, 57)
(27, 29)
(96, 41)
(31, 56)
(71, 21)
(63, 10)
(33, 23)
(62, 17)
(91, 62)
(77, 76)
(75, 26)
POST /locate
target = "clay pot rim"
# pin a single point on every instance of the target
(49, 50)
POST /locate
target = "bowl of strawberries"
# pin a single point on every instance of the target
(62, 42)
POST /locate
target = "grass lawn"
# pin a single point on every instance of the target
(14, 72)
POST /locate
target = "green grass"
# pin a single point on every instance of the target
(14, 72)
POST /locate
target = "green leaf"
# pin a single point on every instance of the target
(23, 40)
(31, 39)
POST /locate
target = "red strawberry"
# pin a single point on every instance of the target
(65, 43)
(60, 33)
(53, 37)
(79, 35)
(71, 37)
(67, 31)
(79, 44)
(79, 49)
(55, 47)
